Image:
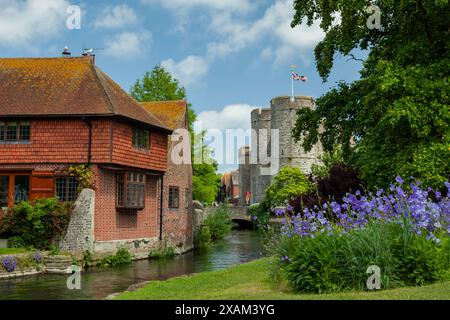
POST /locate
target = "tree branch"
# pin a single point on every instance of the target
(352, 57)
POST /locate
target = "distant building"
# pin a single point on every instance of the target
(282, 116)
(230, 185)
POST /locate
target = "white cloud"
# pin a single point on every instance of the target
(227, 131)
(274, 25)
(236, 116)
(128, 44)
(187, 11)
(27, 21)
(189, 70)
(229, 5)
(119, 16)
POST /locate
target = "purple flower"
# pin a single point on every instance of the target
(427, 215)
(254, 218)
(285, 259)
(447, 185)
(9, 263)
(37, 257)
(399, 180)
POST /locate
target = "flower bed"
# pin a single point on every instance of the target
(21, 264)
(405, 231)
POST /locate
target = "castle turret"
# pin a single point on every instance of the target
(261, 119)
(283, 117)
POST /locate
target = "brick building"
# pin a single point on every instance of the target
(230, 184)
(177, 204)
(58, 112)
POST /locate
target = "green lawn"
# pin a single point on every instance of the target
(250, 281)
(12, 250)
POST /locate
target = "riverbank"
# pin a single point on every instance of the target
(240, 246)
(251, 281)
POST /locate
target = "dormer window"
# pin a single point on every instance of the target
(14, 132)
(141, 138)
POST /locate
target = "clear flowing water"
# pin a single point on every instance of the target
(239, 247)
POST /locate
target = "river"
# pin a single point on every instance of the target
(239, 247)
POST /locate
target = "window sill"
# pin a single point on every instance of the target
(129, 210)
(142, 150)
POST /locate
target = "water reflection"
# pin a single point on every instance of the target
(239, 247)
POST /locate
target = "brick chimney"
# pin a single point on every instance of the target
(90, 54)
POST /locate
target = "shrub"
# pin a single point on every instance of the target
(36, 224)
(202, 238)
(406, 234)
(9, 263)
(260, 213)
(337, 262)
(329, 159)
(87, 259)
(16, 242)
(169, 252)
(288, 183)
(121, 257)
(84, 175)
(219, 223)
(340, 181)
(25, 262)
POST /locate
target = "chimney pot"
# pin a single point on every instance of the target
(66, 52)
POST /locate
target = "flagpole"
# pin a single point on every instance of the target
(292, 84)
(292, 88)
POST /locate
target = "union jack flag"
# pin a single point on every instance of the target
(296, 76)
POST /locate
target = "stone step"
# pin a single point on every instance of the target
(58, 259)
(58, 270)
(58, 265)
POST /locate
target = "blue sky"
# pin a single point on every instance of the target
(225, 52)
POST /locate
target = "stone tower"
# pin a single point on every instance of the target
(244, 174)
(283, 118)
(260, 119)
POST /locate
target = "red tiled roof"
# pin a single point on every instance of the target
(170, 113)
(64, 87)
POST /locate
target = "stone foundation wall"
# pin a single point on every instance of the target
(80, 232)
(139, 248)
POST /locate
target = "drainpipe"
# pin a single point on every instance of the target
(89, 124)
(161, 200)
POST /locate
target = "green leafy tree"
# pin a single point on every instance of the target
(329, 159)
(396, 118)
(206, 180)
(159, 85)
(288, 183)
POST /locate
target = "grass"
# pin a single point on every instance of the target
(4, 251)
(251, 281)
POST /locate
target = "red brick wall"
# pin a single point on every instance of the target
(111, 224)
(66, 141)
(125, 154)
(177, 223)
(61, 141)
